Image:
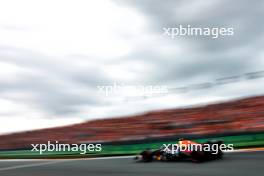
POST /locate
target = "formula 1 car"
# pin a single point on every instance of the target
(168, 153)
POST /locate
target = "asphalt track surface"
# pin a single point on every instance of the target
(233, 164)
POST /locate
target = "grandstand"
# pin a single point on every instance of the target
(237, 116)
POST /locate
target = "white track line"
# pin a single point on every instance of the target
(53, 161)
(30, 165)
(23, 160)
(105, 158)
(70, 159)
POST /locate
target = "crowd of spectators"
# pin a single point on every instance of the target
(245, 115)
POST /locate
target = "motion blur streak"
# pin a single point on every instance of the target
(235, 164)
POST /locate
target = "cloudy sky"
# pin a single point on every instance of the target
(54, 54)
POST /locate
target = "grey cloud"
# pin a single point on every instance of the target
(56, 89)
(205, 57)
(59, 86)
(245, 17)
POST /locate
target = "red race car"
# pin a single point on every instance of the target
(184, 150)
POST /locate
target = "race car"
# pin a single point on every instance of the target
(169, 153)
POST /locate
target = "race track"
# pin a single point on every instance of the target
(233, 164)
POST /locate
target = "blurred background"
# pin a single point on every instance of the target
(56, 55)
